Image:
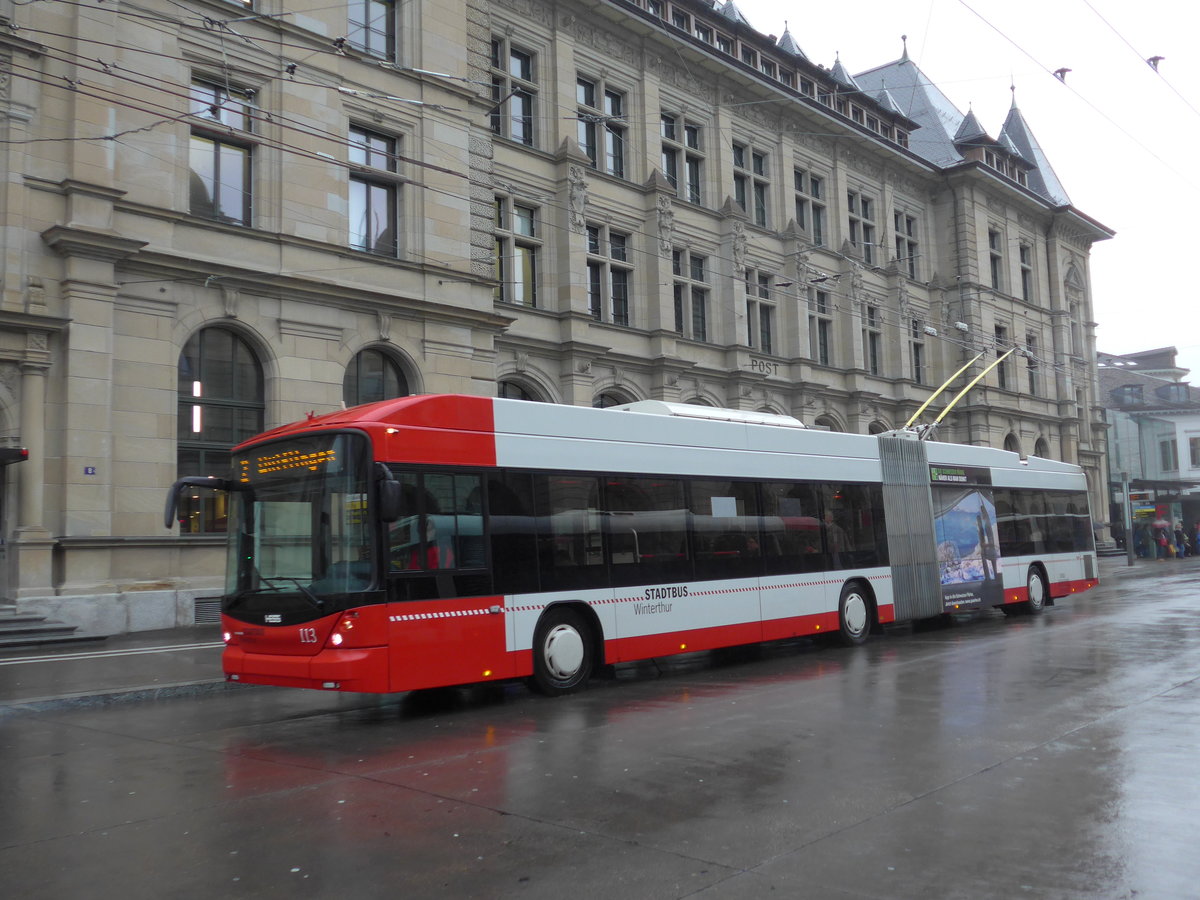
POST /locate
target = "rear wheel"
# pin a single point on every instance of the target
(563, 652)
(1036, 582)
(854, 614)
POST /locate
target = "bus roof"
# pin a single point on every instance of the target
(468, 430)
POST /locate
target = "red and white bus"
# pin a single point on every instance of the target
(440, 540)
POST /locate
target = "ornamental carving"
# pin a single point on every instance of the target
(611, 46)
(530, 9)
(670, 74)
(578, 188)
(666, 224)
(10, 377)
(739, 246)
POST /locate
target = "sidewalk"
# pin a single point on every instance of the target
(143, 665)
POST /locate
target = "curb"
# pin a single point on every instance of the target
(126, 695)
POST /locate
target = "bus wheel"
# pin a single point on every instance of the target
(563, 652)
(1036, 604)
(854, 614)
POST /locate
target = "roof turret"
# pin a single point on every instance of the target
(1042, 178)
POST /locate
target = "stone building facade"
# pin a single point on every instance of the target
(221, 216)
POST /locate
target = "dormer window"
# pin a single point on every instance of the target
(1128, 395)
(1173, 393)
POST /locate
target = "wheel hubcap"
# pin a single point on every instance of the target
(1037, 594)
(564, 651)
(854, 614)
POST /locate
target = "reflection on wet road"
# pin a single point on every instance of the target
(1044, 757)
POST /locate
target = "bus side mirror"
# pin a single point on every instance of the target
(390, 495)
(171, 512)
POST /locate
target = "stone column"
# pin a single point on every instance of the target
(32, 549)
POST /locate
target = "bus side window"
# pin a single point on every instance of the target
(791, 528)
(726, 527)
(570, 536)
(454, 526)
(647, 523)
(513, 531)
(853, 525)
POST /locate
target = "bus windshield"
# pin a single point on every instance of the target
(300, 537)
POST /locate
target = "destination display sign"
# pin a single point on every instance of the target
(959, 475)
(273, 461)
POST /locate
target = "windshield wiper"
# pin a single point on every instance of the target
(300, 586)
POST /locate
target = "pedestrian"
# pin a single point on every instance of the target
(1180, 540)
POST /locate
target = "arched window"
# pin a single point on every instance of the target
(877, 427)
(511, 390)
(609, 398)
(826, 422)
(220, 404)
(373, 375)
(1042, 448)
(1012, 444)
(697, 401)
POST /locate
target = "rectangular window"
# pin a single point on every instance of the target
(760, 311)
(751, 185)
(917, 347)
(372, 27)
(861, 222)
(601, 126)
(1194, 451)
(1002, 347)
(690, 289)
(374, 192)
(820, 328)
(220, 154)
(681, 147)
(810, 211)
(1169, 455)
(518, 249)
(609, 276)
(1031, 362)
(513, 92)
(1025, 255)
(996, 258)
(906, 243)
(872, 337)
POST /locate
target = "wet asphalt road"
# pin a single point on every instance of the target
(1049, 757)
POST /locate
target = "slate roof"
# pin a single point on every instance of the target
(788, 44)
(1042, 179)
(920, 100)
(731, 12)
(943, 125)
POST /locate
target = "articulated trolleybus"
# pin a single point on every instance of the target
(440, 540)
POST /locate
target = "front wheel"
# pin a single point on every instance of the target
(1036, 604)
(854, 614)
(563, 652)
